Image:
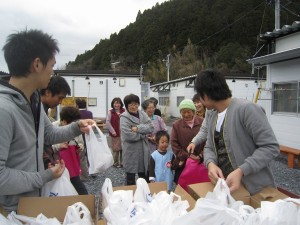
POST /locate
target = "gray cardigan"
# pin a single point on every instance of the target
(250, 142)
(135, 146)
(202, 134)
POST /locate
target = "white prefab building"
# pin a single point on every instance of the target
(170, 94)
(282, 91)
(101, 87)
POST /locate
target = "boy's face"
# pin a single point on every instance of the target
(207, 102)
(53, 100)
(163, 143)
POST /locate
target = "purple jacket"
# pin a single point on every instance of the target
(85, 114)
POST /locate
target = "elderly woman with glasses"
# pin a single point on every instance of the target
(158, 123)
(135, 126)
(183, 131)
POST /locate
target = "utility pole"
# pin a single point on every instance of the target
(277, 14)
(114, 68)
(141, 73)
(168, 66)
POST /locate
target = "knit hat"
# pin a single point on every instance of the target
(187, 104)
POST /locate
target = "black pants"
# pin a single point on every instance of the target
(130, 178)
(78, 185)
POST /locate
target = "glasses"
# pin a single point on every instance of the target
(133, 104)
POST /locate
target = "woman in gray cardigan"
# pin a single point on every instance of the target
(135, 125)
(240, 142)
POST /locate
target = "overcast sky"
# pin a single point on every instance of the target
(77, 25)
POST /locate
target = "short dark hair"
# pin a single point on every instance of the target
(154, 100)
(116, 99)
(57, 85)
(160, 134)
(23, 47)
(70, 114)
(213, 84)
(130, 99)
(196, 98)
(146, 103)
(81, 103)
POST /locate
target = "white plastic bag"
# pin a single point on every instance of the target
(16, 219)
(61, 186)
(99, 154)
(142, 193)
(124, 208)
(78, 214)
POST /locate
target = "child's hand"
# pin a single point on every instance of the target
(194, 157)
(180, 163)
(63, 145)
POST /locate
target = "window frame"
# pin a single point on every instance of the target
(280, 89)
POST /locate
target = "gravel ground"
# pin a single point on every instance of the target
(285, 177)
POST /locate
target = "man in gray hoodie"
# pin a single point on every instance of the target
(24, 126)
(240, 141)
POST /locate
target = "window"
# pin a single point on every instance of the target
(179, 99)
(164, 101)
(286, 97)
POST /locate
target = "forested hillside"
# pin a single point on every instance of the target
(196, 33)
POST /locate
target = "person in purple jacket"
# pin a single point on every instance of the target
(81, 105)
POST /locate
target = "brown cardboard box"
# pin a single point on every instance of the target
(200, 190)
(185, 196)
(267, 194)
(56, 206)
(154, 187)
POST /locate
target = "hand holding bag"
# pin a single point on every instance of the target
(99, 154)
(61, 186)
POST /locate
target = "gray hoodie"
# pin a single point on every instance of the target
(21, 146)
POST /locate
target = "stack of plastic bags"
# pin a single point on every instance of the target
(124, 207)
(218, 207)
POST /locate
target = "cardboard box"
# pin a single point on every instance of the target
(200, 190)
(185, 196)
(267, 194)
(154, 187)
(56, 206)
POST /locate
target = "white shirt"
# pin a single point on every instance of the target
(221, 117)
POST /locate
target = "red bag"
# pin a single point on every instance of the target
(72, 159)
(193, 173)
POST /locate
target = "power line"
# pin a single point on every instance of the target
(229, 25)
(290, 11)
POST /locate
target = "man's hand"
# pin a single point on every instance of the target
(57, 169)
(214, 172)
(191, 148)
(84, 125)
(234, 180)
